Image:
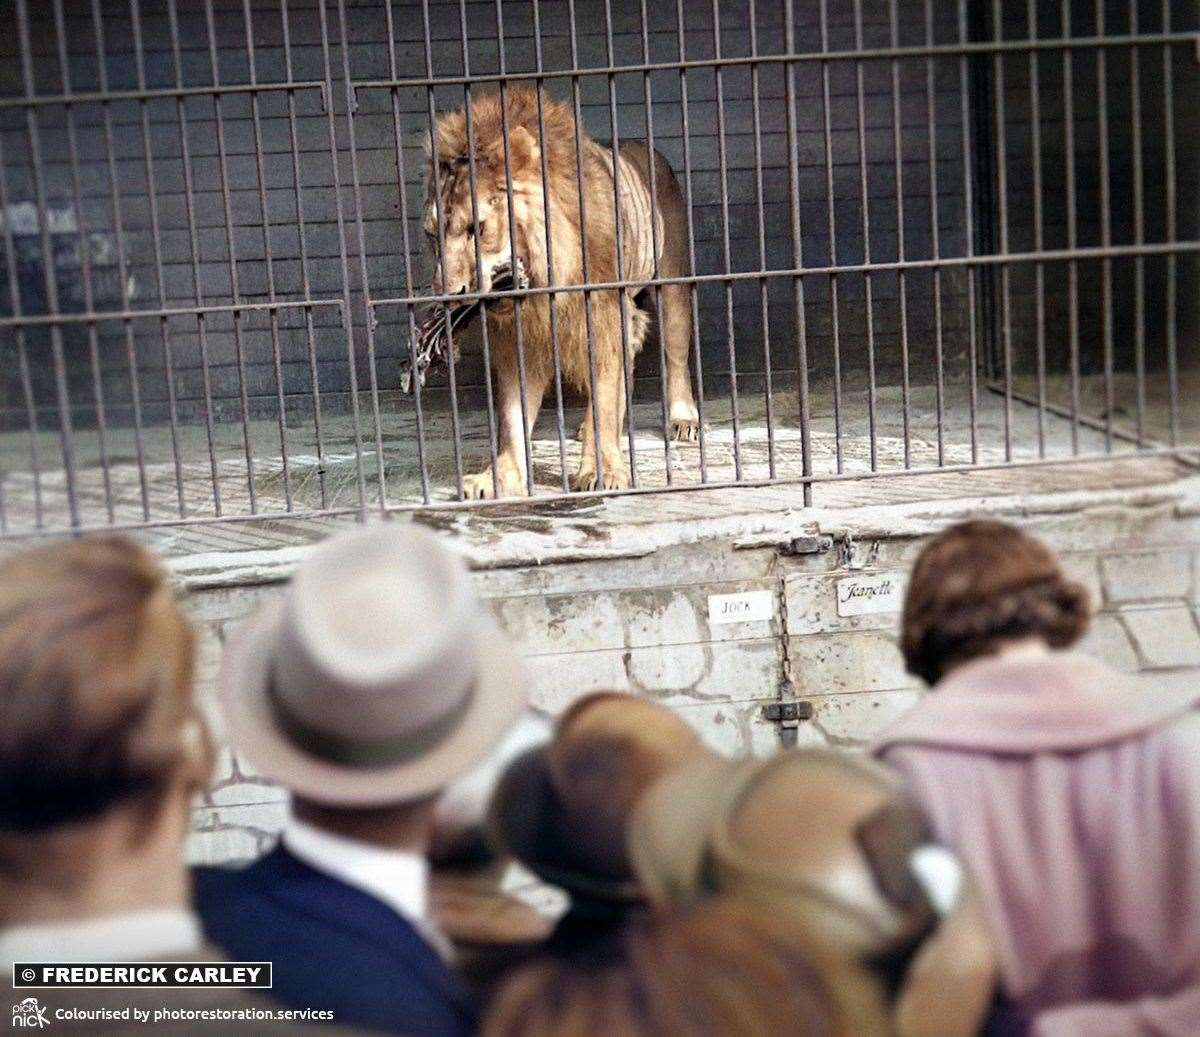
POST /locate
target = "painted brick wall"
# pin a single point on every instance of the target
(641, 625)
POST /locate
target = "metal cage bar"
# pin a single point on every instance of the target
(778, 142)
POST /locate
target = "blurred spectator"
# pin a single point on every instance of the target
(101, 750)
(563, 810)
(1072, 791)
(374, 682)
(720, 969)
(832, 843)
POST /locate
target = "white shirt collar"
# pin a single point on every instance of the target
(134, 936)
(398, 878)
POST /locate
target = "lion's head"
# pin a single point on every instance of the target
(448, 183)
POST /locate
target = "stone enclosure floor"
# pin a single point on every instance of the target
(329, 479)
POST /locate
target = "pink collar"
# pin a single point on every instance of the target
(1061, 702)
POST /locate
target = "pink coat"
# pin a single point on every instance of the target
(1073, 793)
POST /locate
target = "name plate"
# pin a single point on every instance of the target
(746, 607)
(865, 595)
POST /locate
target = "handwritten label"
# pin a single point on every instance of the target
(747, 607)
(863, 595)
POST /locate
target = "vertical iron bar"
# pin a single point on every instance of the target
(834, 306)
(797, 251)
(901, 276)
(1039, 269)
(618, 227)
(694, 290)
(764, 301)
(522, 380)
(85, 260)
(273, 314)
(49, 275)
(361, 237)
(935, 238)
(553, 299)
(655, 243)
(580, 158)
(1072, 232)
(14, 293)
(1171, 202)
(297, 184)
(347, 308)
(189, 206)
(723, 166)
(866, 232)
(1139, 229)
(135, 16)
(122, 260)
(472, 181)
(223, 166)
(1002, 219)
(1106, 302)
(406, 245)
(436, 180)
(964, 101)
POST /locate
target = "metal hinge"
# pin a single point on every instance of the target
(787, 713)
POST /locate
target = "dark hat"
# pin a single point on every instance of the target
(563, 809)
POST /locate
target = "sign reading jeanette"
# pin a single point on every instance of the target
(746, 607)
(109, 974)
(864, 595)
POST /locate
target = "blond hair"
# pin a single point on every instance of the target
(96, 666)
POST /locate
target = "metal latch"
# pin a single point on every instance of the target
(787, 714)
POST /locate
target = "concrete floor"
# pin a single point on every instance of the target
(160, 490)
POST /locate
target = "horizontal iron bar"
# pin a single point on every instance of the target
(97, 316)
(991, 259)
(956, 50)
(1179, 452)
(104, 97)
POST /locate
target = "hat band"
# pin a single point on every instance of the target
(363, 753)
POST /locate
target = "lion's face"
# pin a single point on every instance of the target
(461, 241)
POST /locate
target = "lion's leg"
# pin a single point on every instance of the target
(511, 471)
(676, 332)
(610, 473)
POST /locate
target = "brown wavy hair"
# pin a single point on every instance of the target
(720, 968)
(96, 664)
(979, 584)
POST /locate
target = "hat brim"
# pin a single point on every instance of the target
(254, 732)
(671, 830)
(523, 823)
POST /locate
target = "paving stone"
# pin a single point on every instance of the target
(853, 721)
(1108, 641)
(1156, 576)
(1165, 637)
(812, 603)
(831, 664)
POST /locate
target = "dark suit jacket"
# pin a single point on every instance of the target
(333, 946)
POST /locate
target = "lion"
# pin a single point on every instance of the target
(448, 193)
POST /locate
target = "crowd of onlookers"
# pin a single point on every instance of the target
(1018, 854)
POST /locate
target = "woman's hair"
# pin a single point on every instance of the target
(979, 584)
(719, 968)
(96, 663)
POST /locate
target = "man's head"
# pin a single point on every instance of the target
(980, 586)
(96, 665)
(375, 680)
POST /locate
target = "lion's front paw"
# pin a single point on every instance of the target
(614, 475)
(685, 421)
(482, 486)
